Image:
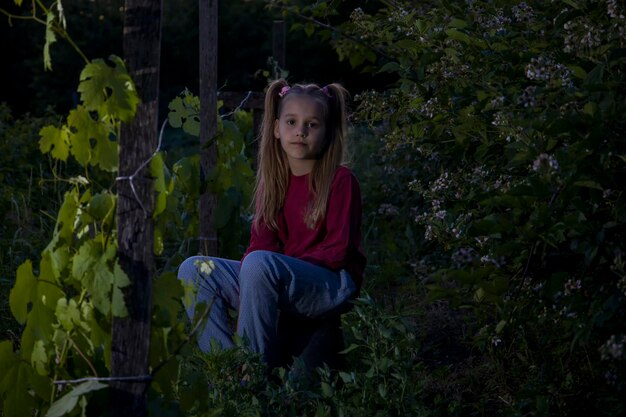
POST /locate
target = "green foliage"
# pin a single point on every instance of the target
(231, 180)
(379, 380)
(67, 301)
(503, 136)
(26, 199)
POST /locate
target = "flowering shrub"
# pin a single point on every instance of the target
(504, 136)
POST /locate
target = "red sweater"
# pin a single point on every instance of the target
(335, 243)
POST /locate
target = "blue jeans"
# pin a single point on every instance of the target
(264, 283)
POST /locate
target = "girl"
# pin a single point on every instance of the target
(305, 256)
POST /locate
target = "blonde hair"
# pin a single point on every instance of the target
(273, 168)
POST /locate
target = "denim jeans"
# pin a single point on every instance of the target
(259, 287)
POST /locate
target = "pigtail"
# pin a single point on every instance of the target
(273, 169)
(334, 154)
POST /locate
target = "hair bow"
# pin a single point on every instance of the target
(283, 91)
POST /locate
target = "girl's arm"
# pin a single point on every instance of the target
(263, 238)
(343, 224)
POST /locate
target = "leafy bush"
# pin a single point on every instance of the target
(27, 201)
(504, 141)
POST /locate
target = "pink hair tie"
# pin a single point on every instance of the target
(283, 91)
(326, 91)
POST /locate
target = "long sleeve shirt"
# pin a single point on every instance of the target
(335, 243)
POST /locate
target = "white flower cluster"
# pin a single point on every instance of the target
(545, 162)
(613, 10)
(441, 183)
(613, 348)
(570, 286)
(574, 42)
(528, 99)
(523, 12)
(545, 69)
(463, 256)
(388, 210)
(430, 107)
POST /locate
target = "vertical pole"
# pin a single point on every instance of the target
(130, 343)
(279, 43)
(208, 121)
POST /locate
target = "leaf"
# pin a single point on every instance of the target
(458, 23)
(15, 385)
(458, 36)
(68, 314)
(7, 357)
(39, 358)
(50, 39)
(184, 112)
(157, 170)
(109, 90)
(500, 326)
(67, 403)
(327, 390)
(588, 184)
(350, 348)
(101, 205)
(23, 291)
(56, 141)
(106, 155)
(93, 267)
(83, 130)
(309, 29)
(167, 292)
(121, 280)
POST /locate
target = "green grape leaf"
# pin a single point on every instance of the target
(91, 266)
(187, 171)
(101, 205)
(15, 385)
(158, 171)
(39, 326)
(68, 313)
(68, 402)
(7, 358)
(64, 228)
(23, 291)
(50, 39)
(184, 112)
(159, 245)
(106, 155)
(39, 358)
(53, 262)
(109, 90)
(84, 129)
(56, 141)
(167, 293)
(118, 305)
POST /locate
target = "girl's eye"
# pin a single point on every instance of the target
(290, 122)
(313, 125)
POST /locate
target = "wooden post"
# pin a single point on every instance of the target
(138, 140)
(208, 121)
(279, 43)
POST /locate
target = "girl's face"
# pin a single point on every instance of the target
(301, 129)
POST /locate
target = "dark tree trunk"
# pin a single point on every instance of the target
(208, 120)
(138, 140)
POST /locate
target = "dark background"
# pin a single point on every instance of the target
(245, 44)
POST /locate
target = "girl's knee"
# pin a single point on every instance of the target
(256, 269)
(258, 259)
(189, 269)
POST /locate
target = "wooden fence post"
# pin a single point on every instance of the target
(138, 141)
(279, 43)
(208, 121)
